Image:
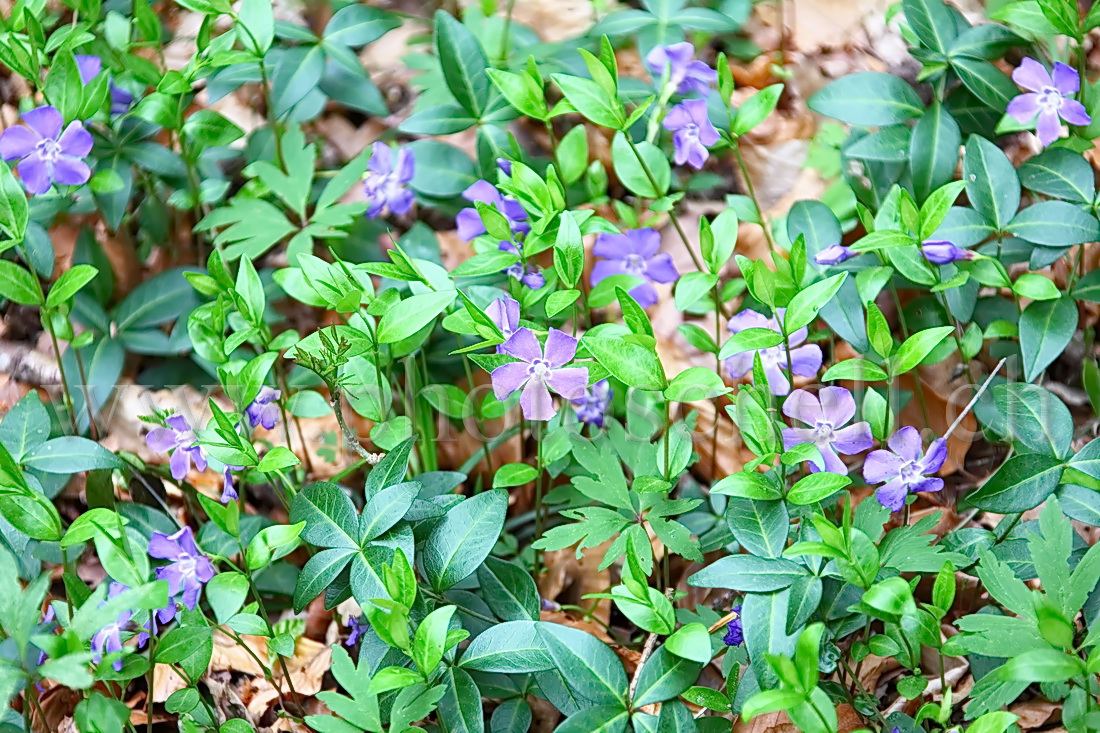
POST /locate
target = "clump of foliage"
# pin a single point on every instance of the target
(940, 250)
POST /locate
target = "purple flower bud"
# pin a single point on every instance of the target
(735, 634)
(46, 153)
(264, 410)
(504, 313)
(385, 185)
(505, 166)
(834, 255)
(358, 627)
(529, 275)
(229, 487)
(941, 253)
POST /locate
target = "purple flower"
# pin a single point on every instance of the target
(539, 369)
(47, 154)
(179, 438)
(903, 469)
(89, 67)
(529, 275)
(834, 255)
(358, 627)
(825, 413)
(108, 640)
(592, 406)
(229, 488)
(505, 166)
(469, 221)
(634, 253)
(188, 569)
(160, 617)
(264, 410)
(804, 362)
(384, 185)
(692, 132)
(504, 313)
(48, 619)
(1047, 97)
(685, 74)
(939, 252)
(735, 634)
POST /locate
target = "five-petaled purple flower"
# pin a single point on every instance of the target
(940, 252)
(504, 313)
(735, 633)
(108, 639)
(537, 370)
(692, 132)
(592, 406)
(903, 469)
(634, 253)
(1048, 97)
(685, 74)
(804, 360)
(385, 184)
(189, 569)
(179, 438)
(825, 413)
(469, 221)
(88, 67)
(264, 410)
(834, 255)
(46, 153)
(358, 627)
(529, 275)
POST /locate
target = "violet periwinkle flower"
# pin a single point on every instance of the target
(537, 370)
(735, 633)
(388, 174)
(903, 468)
(692, 132)
(188, 570)
(179, 438)
(685, 74)
(592, 406)
(358, 627)
(804, 362)
(469, 221)
(826, 413)
(1047, 97)
(158, 618)
(834, 255)
(504, 313)
(634, 253)
(505, 166)
(46, 153)
(108, 639)
(264, 410)
(939, 252)
(529, 275)
(88, 67)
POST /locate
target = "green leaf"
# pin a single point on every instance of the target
(748, 573)
(358, 25)
(226, 593)
(460, 708)
(815, 487)
(522, 92)
(330, 517)
(933, 22)
(916, 348)
(992, 184)
(18, 285)
(463, 63)
(859, 370)
(590, 669)
(667, 673)
(71, 281)
(32, 514)
(1041, 665)
(695, 383)
(1055, 224)
(631, 363)
(805, 306)
(188, 646)
(869, 99)
(464, 537)
(632, 172)
(512, 647)
(1060, 173)
(407, 317)
(514, 474)
(1035, 417)
(589, 98)
(318, 573)
(386, 508)
(933, 151)
(755, 109)
(1023, 482)
(257, 19)
(70, 454)
(985, 81)
(442, 170)
(1046, 328)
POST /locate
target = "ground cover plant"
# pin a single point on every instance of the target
(392, 367)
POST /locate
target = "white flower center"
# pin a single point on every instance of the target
(186, 566)
(634, 264)
(49, 150)
(823, 433)
(910, 472)
(1050, 99)
(539, 369)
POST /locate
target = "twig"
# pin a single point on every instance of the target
(975, 398)
(349, 435)
(650, 643)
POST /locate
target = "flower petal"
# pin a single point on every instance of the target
(777, 379)
(796, 436)
(1066, 79)
(645, 294)
(17, 142)
(881, 465)
(536, 402)
(749, 319)
(1074, 113)
(853, 439)
(46, 121)
(837, 404)
(645, 241)
(482, 191)
(1049, 127)
(35, 173)
(660, 268)
(161, 440)
(1031, 75)
(406, 164)
(907, 443)
(560, 348)
(571, 382)
(523, 345)
(180, 463)
(892, 495)
(76, 141)
(164, 547)
(1023, 107)
(806, 360)
(71, 171)
(507, 378)
(804, 406)
(833, 464)
(934, 458)
(604, 269)
(469, 224)
(613, 246)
